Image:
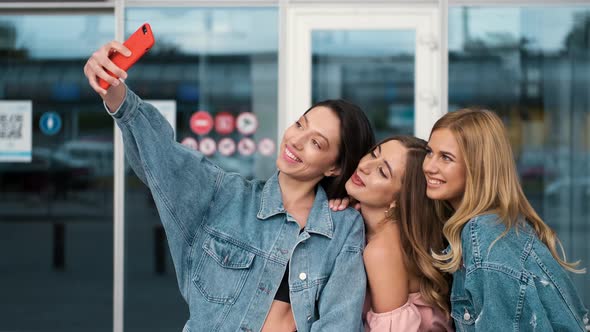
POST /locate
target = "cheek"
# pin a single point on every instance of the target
(288, 133)
(385, 190)
(323, 157)
(458, 177)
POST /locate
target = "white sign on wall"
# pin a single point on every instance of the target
(16, 135)
(168, 110)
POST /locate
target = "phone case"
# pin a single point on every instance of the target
(138, 43)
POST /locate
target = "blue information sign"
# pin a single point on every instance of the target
(50, 123)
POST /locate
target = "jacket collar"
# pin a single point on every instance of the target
(319, 220)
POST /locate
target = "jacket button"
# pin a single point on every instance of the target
(466, 316)
(302, 276)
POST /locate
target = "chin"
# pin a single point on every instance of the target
(349, 186)
(438, 196)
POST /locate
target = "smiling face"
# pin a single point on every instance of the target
(444, 168)
(310, 147)
(378, 178)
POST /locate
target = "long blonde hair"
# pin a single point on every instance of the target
(491, 185)
(420, 229)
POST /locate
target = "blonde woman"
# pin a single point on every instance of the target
(406, 292)
(507, 272)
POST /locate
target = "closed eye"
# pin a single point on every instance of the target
(382, 172)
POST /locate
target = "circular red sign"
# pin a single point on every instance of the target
(207, 146)
(190, 143)
(247, 123)
(266, 147)
(201, 123)
(224, 123)
(226, 146)
(246, 146)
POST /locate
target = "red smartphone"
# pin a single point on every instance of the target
(138, 43)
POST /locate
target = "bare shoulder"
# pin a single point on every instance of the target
(385, 247)
(386, 272)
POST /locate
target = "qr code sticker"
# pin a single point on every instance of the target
(11, 126)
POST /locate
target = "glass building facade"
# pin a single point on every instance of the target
(530, 64)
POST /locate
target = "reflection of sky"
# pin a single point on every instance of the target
(210, 31)
(61, 36)
(358, 42)
(239, 30)
(547, 27)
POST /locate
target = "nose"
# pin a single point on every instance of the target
(298, 141)
(366, 166)
(429, 165)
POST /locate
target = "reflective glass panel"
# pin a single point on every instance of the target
(215, 70)
(56, 175)
(371, 68)
(531, 65)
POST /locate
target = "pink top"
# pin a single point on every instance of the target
(415, 315)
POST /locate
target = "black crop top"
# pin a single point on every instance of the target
(283, 291)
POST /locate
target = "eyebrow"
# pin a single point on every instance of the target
(386, 163)
(322, 136)
(448, 153)
(442, 152)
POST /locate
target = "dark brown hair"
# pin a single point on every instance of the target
(356, 138)
(420, 228)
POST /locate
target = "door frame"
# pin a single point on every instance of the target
(295, 72)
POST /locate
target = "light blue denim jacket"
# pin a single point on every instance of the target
(514, 285)
(231, 239)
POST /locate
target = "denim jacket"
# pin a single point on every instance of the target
(514, 284)
(231, 239)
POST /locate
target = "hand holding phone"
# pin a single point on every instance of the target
(138, 43)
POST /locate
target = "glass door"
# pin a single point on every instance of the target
(386, 60)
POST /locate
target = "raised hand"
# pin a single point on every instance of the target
(95, 68)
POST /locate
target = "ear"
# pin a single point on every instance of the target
(334, 171)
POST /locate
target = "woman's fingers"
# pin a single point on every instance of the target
(344, 203)
(338, 204)
(106, 62)
(334, 203)
(96, 64)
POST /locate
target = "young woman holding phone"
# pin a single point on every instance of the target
(252, 255)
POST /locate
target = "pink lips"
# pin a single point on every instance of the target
(357, 180)
(289, 158)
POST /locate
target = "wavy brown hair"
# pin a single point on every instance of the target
(420, 228)
(491, 185)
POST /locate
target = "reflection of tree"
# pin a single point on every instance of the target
(166, 47)
(579, 37)
(8, 43)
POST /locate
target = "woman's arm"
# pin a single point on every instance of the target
(499, 301)
(182, 181)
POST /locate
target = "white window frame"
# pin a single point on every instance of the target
(295, 56)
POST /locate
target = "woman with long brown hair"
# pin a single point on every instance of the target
(406, 292)
(507, 272)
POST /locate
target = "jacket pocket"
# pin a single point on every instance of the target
(463, 314)
(222, 271)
